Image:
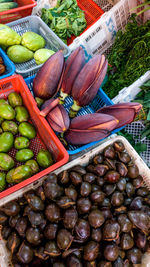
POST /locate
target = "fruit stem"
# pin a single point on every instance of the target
(62, 97)
(74, 109)
(62, 139)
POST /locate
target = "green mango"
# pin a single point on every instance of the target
(6, 162)
(1, 130)
(2, 181)
(15, 99)
(9, 179)
(24, 155)
(3, 101)
(7, 112)
(39, 101)
(6, 141)
(44, 158)
(33, 165)
(21, 114)
(19, 54)
(10, 126)
(21, 142)
(27, 129)
(21, 173)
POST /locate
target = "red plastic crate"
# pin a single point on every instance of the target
(23, 10)
(92, 13)
(45, 138)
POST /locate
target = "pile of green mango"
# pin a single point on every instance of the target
(24, 48)
(16, 132)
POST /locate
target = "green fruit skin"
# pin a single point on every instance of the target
(21, 142)
(1, 130)
(8, 36)
(39, 101)
(21, 114)
(7, 112)
(3, 101)
(42, 55)
(24, 155)
(9, 179)
(44, 158)
(15, 99)
(2, 181)
(32, 41)
(6, 162)
(26, 129)
(21, 173)
(33, 165)
(19, 54)
(10, 126)
(6, 141)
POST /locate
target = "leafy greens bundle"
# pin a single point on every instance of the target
(65, 19)
(129, 57)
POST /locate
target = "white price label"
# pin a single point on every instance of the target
(96, 40)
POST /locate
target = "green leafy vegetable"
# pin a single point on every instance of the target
(146, 2)
(148, 116)
(139, 147)
(65, 19)
(144, 97)
(129, 57)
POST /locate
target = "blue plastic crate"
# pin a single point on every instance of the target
(100, 100)
(10, 67)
